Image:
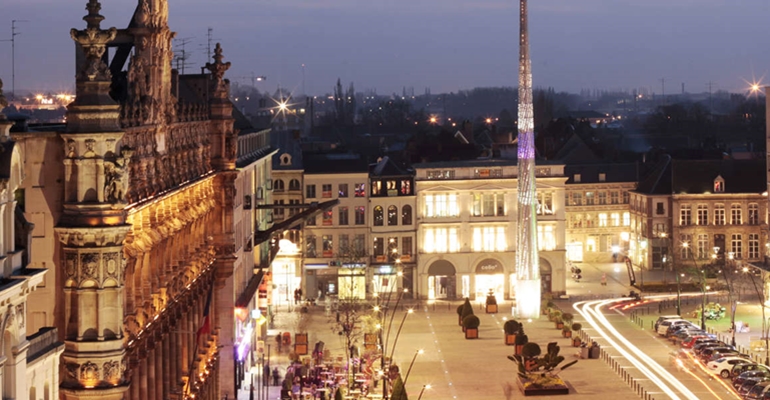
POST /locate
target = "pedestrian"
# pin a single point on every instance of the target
(276, 377)
(266, 375)
(604, 279)
(279, 341)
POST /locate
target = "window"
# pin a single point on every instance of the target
(545, 203)
(602, 177)
(488, 204)
(328, 218)
(736, 217)
(719, 185)
(392, 249)
(293, 211)
(577, 199)
(589, 221)
(361, 215)
(736, 245)
(310, 191)
(278, 185)
(343, 190)
(326, 191)
(328, 245)
(441, 205)
(278, 212)
(703, 214)
(376, 188)
(441, 240)
(719, 214)
(294, 185)
(685, 216)
(489, 238)
(406, 187)
(379, 247)
(753, 214)
(615, 219)
(589, 198)
(378, 216)
(343, 216)
(576, 178)
(602, 219)
(392, 215)
(626, 197)
(310, 221)
(391, 188)
(437, 174)
(626, 219)
(686, 250)
(406, 246)
(359, 244)
(406, 215)
(753, 246)
(310, 246)
(659, 209)
(546, 240)
(344, 246)
(703, 246)
(602, 196)
(613, 197)
(360, 189)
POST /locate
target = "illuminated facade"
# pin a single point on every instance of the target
(137, 195)
(598, 216)
(463, 214)
(527, 270)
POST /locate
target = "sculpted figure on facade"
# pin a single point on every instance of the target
(218, 69)
(94, 41)
(116, 178)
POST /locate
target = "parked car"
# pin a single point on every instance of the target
(739, 380)
(692, 340)
(750, 383)
(697, 349)
(757, 391)
(724, 365)
(682, 332)
(664, 318)
(748, 366)
(706, 355)
(663, 327)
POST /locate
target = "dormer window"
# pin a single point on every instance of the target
(285, 159)
(719, 185)
(576, 178)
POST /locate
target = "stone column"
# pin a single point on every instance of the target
(167, 361)
(159, 377)
(151, 378)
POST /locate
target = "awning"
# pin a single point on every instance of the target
(251, 289)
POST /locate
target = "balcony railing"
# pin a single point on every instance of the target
(43, 342)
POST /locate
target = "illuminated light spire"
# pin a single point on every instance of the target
(527, 261)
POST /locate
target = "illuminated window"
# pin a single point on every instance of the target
(328, 245)
(310, 246)
(406, 187)
(626, 219)
(685, 215)
(703, 246)
(360, 189)
(719, 214)
(406, 215)
(328, 218)
(615, 218)
(441, 240)
(613, 197)
(441, 205)
(736, 245)
(546, 239)
(379, 247)
(719, 185)
(378, 216)
(376, 188)
(703, 214)
(343, 190)
(686, 250)
(589, 198)
(753, 214)
(602, 219)
(736, 216)
(753, 246)
(545, 203)
(326, 191)
(361, 215)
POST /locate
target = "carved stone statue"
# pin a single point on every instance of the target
(218, 69)
(94, 41)
(116, 178)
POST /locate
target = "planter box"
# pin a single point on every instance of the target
(541, 391)
(510, 340)
(491, 309)
(471, 333)
(518, 349)
(566, 333)
(300, 349)
(576, 342)
(559, 325)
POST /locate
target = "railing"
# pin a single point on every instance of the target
(43, 342)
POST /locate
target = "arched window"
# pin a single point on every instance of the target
(278, 185)
(406, 215)
(378, 217)
(294, 184)
(392, 215)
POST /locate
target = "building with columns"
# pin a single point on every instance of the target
(137, 196)
(464, 213)
(29, 356)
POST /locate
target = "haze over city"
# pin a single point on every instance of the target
(445, 45)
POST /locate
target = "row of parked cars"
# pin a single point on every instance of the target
(750, 379)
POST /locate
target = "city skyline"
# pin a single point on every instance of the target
(446, 46)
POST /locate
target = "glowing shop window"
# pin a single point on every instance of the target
(626, 219)
(454, 243)
(546, 240)
(502, 245)
(591, 245)
(430, 241)
(615, 217)
(441, 240)
(602, 219)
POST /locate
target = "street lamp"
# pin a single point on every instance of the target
(761, 296)
(702, 274)
(423, 391)
(411, 364)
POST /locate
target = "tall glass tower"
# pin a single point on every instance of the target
(527, 266)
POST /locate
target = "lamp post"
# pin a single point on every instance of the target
(731, 257)
(423, 391)
(702, 275)
(416, 353)
(761, 296)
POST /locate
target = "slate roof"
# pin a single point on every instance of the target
(386, 167)
(614, 172)
(697, 176)
(334, 163)
(285, 143)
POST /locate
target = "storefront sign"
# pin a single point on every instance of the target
(385, 270)
(489, 266)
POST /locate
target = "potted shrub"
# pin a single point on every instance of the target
(512, 328)
(567, 318)
(566, 331)
(559, 323)
(471, 323)
(538, 374)
(575, 339)
(521, 340)
(554, 315)
(491, 303)
(460, 314)
(466, 311)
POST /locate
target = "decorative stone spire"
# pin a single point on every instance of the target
(3, 102)
(94, 41)
(218, 69)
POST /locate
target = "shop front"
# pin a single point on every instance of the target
(351, 280)
(385, 280)
(285, 271)
(489, 278)
(442, 282)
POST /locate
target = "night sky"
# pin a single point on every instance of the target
(447, 45)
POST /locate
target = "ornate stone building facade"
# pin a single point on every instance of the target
(140, 189)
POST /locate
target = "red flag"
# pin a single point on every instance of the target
(205, 326)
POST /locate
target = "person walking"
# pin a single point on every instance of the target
(276, 377)
(266, 375)
(278, 341)
(604, 279)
